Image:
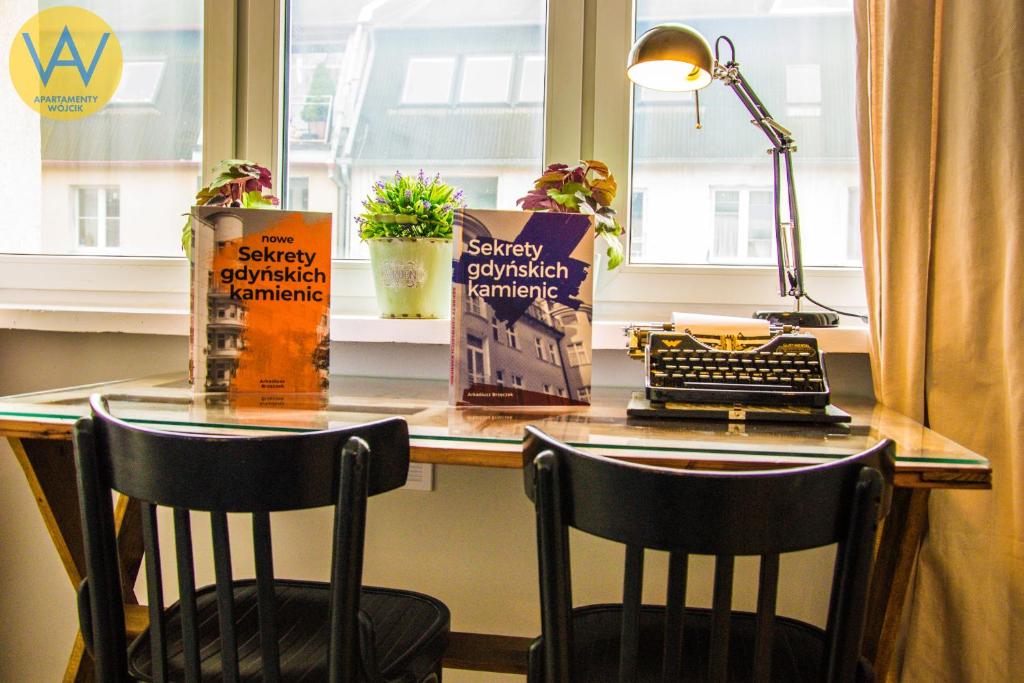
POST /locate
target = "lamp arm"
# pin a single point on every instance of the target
(787, 233)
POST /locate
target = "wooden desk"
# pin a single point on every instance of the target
(39, 429)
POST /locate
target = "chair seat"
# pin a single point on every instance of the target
(796, 656)
(410, 629)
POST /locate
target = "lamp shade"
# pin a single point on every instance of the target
(673, 57)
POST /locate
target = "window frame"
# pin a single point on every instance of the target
(586, 42)
(101, 217)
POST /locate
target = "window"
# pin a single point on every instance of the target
(476, 359)
(853, 251)
(576, 354)
(486, 79)
(495, 330)
(553, 354)
(517, 381)
(636, 222)
(475, 304)
(744, 228)
(539, 347)
(560, 391)
(298, 194)
(801, 64)
(98, 217)
(116, 181)
(499, 377)
(427, 85)
(803, 90)
(428, 80)
(513, 338)
(583, 394)
(531, 80)
(140, 83)
(547, 389)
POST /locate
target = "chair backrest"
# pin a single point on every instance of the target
(222, 474)
(725, 514)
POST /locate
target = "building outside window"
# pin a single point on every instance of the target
(486, 79)
(98, 217)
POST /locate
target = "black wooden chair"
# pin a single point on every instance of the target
(724, 514)
(264, 628)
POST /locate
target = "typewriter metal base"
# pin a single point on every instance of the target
(640, 406)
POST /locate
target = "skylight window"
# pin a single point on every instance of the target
(531, 83)
(428, 80)
(486, 79)
(140, 83)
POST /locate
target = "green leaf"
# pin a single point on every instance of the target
(615, 252)
(568, 200)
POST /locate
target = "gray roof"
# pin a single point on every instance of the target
(389, 131)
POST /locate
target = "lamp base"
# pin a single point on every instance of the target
(800, 318)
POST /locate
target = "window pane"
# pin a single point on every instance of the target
(428, 81)
(799, 58)
(407, 81)
(145, 143)
(486, 79)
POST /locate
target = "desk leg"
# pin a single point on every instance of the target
(49, 467)
(902, 533)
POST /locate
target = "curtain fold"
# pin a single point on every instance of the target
(940, 101)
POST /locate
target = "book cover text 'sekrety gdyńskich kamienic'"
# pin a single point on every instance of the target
(522, 306)
(261, 283)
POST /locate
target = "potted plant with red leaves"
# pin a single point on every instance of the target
(587, 188)
(237, 184)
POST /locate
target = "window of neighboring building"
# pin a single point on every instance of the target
(98, 217)
(803, 90)
(743, 225)
(298, 193)
(428, 80)
(476, 359)
(486, 79)
(531, 79)
(140, 82)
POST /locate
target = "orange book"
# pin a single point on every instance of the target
(261, 286)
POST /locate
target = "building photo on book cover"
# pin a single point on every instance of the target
(522, 307)
(261, 283)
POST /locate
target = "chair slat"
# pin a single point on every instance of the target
(187, 594)
(266, 602)
(348, 562)
(721, 608)
(767, 589)
(632, 595)
(556, 580)
(155, 591)
(675, 604)
(225, 596)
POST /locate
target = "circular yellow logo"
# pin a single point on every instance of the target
(66, 63)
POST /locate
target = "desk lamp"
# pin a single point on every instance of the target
(676, 58)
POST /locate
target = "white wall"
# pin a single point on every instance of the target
(470, 541)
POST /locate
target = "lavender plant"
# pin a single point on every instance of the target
(410, 206)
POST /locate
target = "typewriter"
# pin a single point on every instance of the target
(779, 377)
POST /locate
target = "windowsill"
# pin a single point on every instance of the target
(608, 334)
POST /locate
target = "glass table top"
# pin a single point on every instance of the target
(168, 402)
